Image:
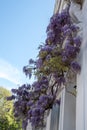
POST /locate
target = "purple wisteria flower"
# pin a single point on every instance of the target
(11, 97)
(50, 35)
(70, 51)
(59, 79)
(75, 66)
(27, 71)
(65, 27)
(24, 124)
(67, 32)
(56, 56)
(14, 90)
(48, 57)
(74, 28)
(39, 63)
(47, 48)
(77, 41)
(31, 61)
(64, 56)
(30, 103)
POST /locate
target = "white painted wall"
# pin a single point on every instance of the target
(75, 117)
(48, 121)
(69, 118)
(81, 109)
(68, 110)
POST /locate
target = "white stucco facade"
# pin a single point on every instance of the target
(81, 112)
(81, 98)
(73, 110)
(80, 104)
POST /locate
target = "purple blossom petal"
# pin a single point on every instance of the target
(75, 66)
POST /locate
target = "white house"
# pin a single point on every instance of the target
(72, 112)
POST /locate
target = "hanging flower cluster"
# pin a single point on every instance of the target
(56, 57)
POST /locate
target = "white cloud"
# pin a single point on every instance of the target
(9, 72)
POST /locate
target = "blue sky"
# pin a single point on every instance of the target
(22, 29)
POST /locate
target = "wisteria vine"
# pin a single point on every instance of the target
(56, 57)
